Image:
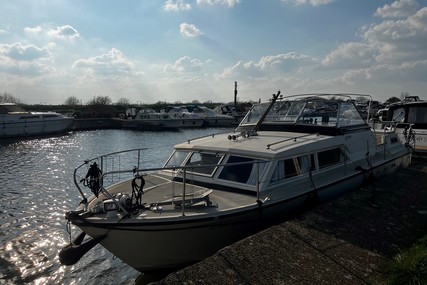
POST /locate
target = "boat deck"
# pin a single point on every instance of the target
(162, 198)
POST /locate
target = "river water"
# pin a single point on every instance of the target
(36, 190)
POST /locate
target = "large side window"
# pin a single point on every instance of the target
(330, 157)
(291, 167)
(243, 172)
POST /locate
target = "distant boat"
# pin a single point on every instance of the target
(213, 119)
(186, 119)
(229, 110)
(410, 120)
(17, 122)
(149, 120)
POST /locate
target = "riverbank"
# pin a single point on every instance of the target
(345, 241)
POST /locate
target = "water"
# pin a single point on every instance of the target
(37, 189)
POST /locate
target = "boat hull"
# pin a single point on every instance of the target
(33, 127)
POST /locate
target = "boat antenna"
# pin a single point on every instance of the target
(273, 100)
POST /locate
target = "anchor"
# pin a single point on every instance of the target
(71, 253)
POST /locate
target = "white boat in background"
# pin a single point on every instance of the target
(213, 119)
(217, 189)
(149, 119)
(16, 122)
(410, 120)
(185, 118)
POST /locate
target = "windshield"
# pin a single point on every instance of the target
(315, 110)
(177, 158)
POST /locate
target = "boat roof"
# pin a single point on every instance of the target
(266, 144)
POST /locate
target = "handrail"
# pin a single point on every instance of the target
(136, 170)
(289, 139)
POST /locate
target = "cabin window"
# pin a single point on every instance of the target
(399, 115)
(177, 158)
(205, 163)
(330, 157)
(417, 115)
(291, 167)
(242, 173)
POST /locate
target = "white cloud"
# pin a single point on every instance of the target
(308, 2)
(398, 9)
(20, 59)
(229, 3)
(184, 64)
(33, 31)
(189, 30)
(278, 64)
(19, 51)
(66, 32)
(176, 5)
(112, 62)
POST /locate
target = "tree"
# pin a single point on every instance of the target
(99, 100)
(72, 101)
(9, 98)
(123, 102)
(392, 100)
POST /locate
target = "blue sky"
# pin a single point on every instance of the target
(185, 50)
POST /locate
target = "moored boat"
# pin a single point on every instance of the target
(212, 119)
(410, 120)
(16, 122)
(215, 190)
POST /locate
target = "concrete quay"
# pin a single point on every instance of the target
(344, 241)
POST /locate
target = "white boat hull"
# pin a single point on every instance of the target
(33, 127)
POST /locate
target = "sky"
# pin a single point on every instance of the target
(184, 50)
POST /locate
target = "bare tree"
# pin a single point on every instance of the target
(72, 101)
(99, 100)
(8, 98)
(123, 102)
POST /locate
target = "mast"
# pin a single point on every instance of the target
(235, 94)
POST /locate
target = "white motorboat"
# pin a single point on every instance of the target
(16, 122)
(410, 120)
(213, 119)
(217, 189)
(185, 118)
(148, 119)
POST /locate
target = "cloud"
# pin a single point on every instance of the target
(184, 64)
(112, 62)
(176, 5)
(65, 32)
(20, 59)
(398, 9)
(308, 2)
(189, 30)
(229, 3)
(388, 42)
(19, 51)
(282, 63)
(33, 31)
